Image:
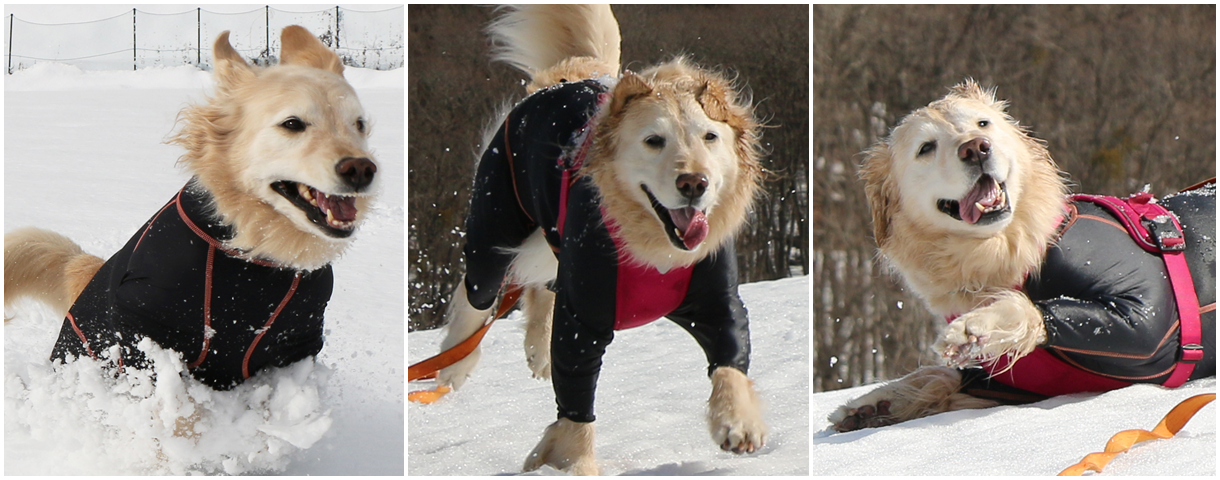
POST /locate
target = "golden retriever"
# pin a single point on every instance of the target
(972, 212)
(655, 173)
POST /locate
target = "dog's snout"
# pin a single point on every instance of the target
(692, 185)
(975, 151)
(356, 172)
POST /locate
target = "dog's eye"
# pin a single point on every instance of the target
(926, 148)
(984, 123)
(360, 125)
(294, 124)
(710, 137)
(655, 141)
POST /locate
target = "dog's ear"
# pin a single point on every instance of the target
(630, 87)
(715, 99)
(230, 69)
(302, 48)
(879, 190)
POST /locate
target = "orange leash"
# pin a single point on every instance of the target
(1121, 441)
(428, 368)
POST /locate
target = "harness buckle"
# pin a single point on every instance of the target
(1165, 232)
(1191, 353)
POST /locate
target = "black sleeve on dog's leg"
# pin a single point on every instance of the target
(495, 223)
(714, 314)
(977, 382)
(576, 362)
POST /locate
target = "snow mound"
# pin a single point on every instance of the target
(133, 425)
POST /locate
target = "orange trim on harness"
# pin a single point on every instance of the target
(428, 368)
(1121, 441)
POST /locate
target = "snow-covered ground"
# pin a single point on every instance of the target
(651, 399)
(83, 155)
(653, 390)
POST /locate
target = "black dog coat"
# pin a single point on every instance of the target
(177, 284)
(520, 186)
(1108, 306)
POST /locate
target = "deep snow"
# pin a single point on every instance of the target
(84, 156)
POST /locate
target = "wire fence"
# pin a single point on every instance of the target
(140, 39)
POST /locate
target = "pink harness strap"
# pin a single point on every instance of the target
(1157, 230)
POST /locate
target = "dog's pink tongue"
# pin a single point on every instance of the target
(692, 223)
(986, 192)
(341, 207)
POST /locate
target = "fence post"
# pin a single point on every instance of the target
(133, 39)
(336, 27)
(267, 27)
(199, 37)
(10, 44)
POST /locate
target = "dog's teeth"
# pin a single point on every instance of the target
(980, 207)
(304, 192)
(330, 217)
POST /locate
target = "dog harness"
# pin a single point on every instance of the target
(1120, 294)
(177, 283)
(529, 178)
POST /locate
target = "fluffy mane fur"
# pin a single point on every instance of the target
(956, 273)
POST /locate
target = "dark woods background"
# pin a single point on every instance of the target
(454, 90)
(1124, 96)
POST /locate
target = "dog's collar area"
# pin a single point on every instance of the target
(686, 227)
(335, 215)
(985, 203)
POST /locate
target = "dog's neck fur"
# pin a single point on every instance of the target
(955, 274)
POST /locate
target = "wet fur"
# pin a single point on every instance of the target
(961, 270)
(556, 43)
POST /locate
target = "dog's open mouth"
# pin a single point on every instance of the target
(686, 227)
(983, 204)
(334, 214)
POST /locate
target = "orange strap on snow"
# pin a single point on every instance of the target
(1121, 441)
(428, 368)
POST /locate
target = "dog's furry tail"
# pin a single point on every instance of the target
(538, 38)
(46, 266)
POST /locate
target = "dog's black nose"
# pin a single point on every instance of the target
(356, 172)
(975, 151)
(692, 185)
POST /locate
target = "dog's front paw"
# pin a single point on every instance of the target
(959, 346)
(565, 445)
(734, 412)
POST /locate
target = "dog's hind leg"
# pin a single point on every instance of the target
(534, 265)
(734, 412)
(464, 320)
(539, 305)
(565, 445)
(924, 392)
(46, 266)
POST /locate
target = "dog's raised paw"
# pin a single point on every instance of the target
(959, 347)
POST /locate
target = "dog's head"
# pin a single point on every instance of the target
(676, 162)
(284, 151)
(960, 165)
